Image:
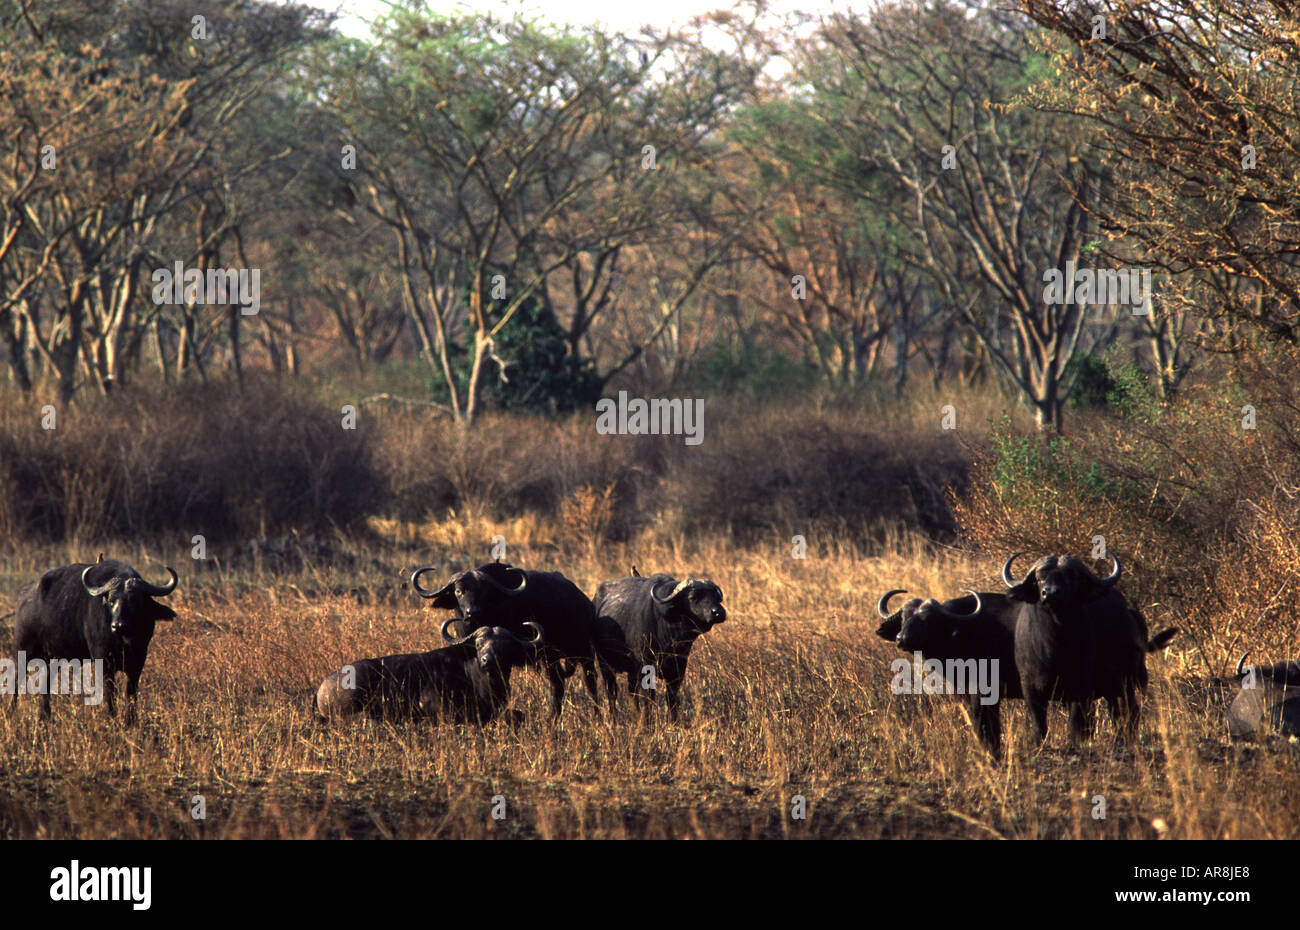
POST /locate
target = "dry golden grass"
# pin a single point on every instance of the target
(790, 696)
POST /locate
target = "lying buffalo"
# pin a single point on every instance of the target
(978, 631)
(102, 611)
(659, 619)
(497, 594)
(1269, 699)
(1077, 640)
(466, 682)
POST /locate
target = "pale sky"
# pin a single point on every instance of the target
(622, 16)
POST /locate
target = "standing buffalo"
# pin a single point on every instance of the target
(966, 633)
(102, 611)
(1269, 699)
(659, 618)
(468, 681)
(1077, 640)
(496, 594)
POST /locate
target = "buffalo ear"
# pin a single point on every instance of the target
(445, 598)
(1026, 591)
(891, 627)
(160, 611)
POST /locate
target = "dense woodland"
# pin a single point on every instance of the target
(529, 213)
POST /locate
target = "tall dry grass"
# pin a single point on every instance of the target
(789, 697)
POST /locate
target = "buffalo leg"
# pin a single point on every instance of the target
(1082, 721)
(610, 679)
(642, 698)
(132, 685)
(589, 679)
(1036, 709)
(1134, 714)
(1126, 712)
(110, 694)
(674, 697)
(557, 689)
(133, 670)
(22, 679)
(674, 668)
(987, 720)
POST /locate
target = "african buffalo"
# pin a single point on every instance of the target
(659, 619)
(1077, 640)
(497, 594)
(467, 682)
(1269, 699)
(975, 627)
(101, 611)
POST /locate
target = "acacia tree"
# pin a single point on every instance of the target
(994, 191)
(838, 284)
(650, 235)
(509, 148)
(118, 126)
(1196, 106)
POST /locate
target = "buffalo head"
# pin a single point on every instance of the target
(1058, 581)
(919, 624)
(472, 594)
(698, 601)
(128, 597)
(500, 650)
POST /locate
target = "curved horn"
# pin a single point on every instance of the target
(538, 636)
(455, 640)
(979, 605)
(94, 592)
(1007, 578)
(415, 582)
(523, 583)
(1241, 663)
(1113, 576)
(681, 586)
(882, 605)
(158, 590)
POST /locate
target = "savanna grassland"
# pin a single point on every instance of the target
(791, 696)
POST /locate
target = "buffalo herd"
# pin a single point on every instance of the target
(1059, 633)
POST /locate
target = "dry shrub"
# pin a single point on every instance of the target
(782, 470)
(507, 465)
(758, 471)
(585, 518)
(210, 459)
(234, 464)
